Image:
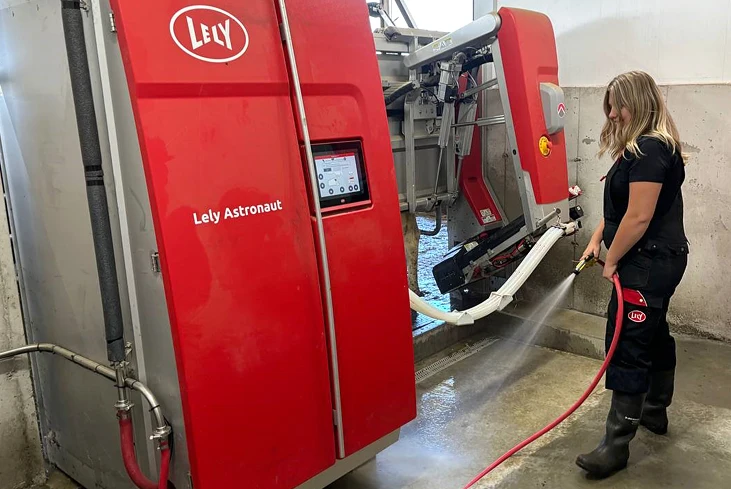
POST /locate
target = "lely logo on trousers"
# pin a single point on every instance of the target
(637, 316)
(209, 33)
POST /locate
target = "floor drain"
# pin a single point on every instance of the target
(453, 358)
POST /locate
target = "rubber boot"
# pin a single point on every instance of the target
(612, 453)
(659, 397)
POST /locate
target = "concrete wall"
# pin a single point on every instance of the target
(688, 51)
(677, 41)
(702, 304)
(21, 462)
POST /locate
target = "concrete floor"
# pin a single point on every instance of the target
(58, 481)
(473, 411)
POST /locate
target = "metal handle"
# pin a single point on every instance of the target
(487, 121)
(320, 228)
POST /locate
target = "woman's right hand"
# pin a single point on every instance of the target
(594, 248)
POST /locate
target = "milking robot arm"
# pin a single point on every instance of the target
(521, 47)
(487, 253)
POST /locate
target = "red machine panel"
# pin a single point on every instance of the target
(528, 49)
(472, 180)
(344, 102)
(211, 98)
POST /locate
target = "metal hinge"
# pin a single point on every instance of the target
(335, 417)
(155, 261)
(112, 22)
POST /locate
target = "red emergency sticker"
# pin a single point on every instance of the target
(637, 316)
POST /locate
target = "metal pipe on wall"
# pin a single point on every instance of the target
(162, 429)
(91, 156)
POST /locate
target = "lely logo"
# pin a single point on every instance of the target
(209, 33)
(637, 316)
(561, 109)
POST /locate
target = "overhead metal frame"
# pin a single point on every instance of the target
(408, 16)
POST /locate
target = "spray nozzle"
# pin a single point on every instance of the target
(586, 262)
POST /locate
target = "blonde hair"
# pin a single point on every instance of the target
(637, 92)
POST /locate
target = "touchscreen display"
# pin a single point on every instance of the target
(340, 172)
(337, 175)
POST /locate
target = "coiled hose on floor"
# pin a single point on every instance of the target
(584, 396)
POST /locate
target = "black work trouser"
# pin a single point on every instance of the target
(645, 343)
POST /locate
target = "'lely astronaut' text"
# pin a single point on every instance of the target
(215, 217)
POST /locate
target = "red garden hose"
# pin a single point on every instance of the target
(164, 466)
(584, 396)
(126, 435)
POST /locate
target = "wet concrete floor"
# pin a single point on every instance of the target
(475, 410)
(58, 481)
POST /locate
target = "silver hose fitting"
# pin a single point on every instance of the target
(162, 430)
(123, 402)
(569, 228)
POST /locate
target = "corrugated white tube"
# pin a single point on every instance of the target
(420, 305)
(504, 296)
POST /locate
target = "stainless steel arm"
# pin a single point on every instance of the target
(376, 9)
(486, 121)
(476, 35)
(161, 431)
(408, 16)
(484, 86)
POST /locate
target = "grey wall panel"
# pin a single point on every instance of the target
(153, 340)
(46, 187)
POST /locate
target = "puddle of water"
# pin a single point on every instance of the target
(437, 408)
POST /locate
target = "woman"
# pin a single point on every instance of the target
(644, 234)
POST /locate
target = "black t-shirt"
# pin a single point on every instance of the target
(656, 163)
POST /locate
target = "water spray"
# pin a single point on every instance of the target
(584, 263)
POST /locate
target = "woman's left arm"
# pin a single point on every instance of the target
(642, 201)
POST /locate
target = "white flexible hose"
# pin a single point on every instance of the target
(504, 296)
(420, 305)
